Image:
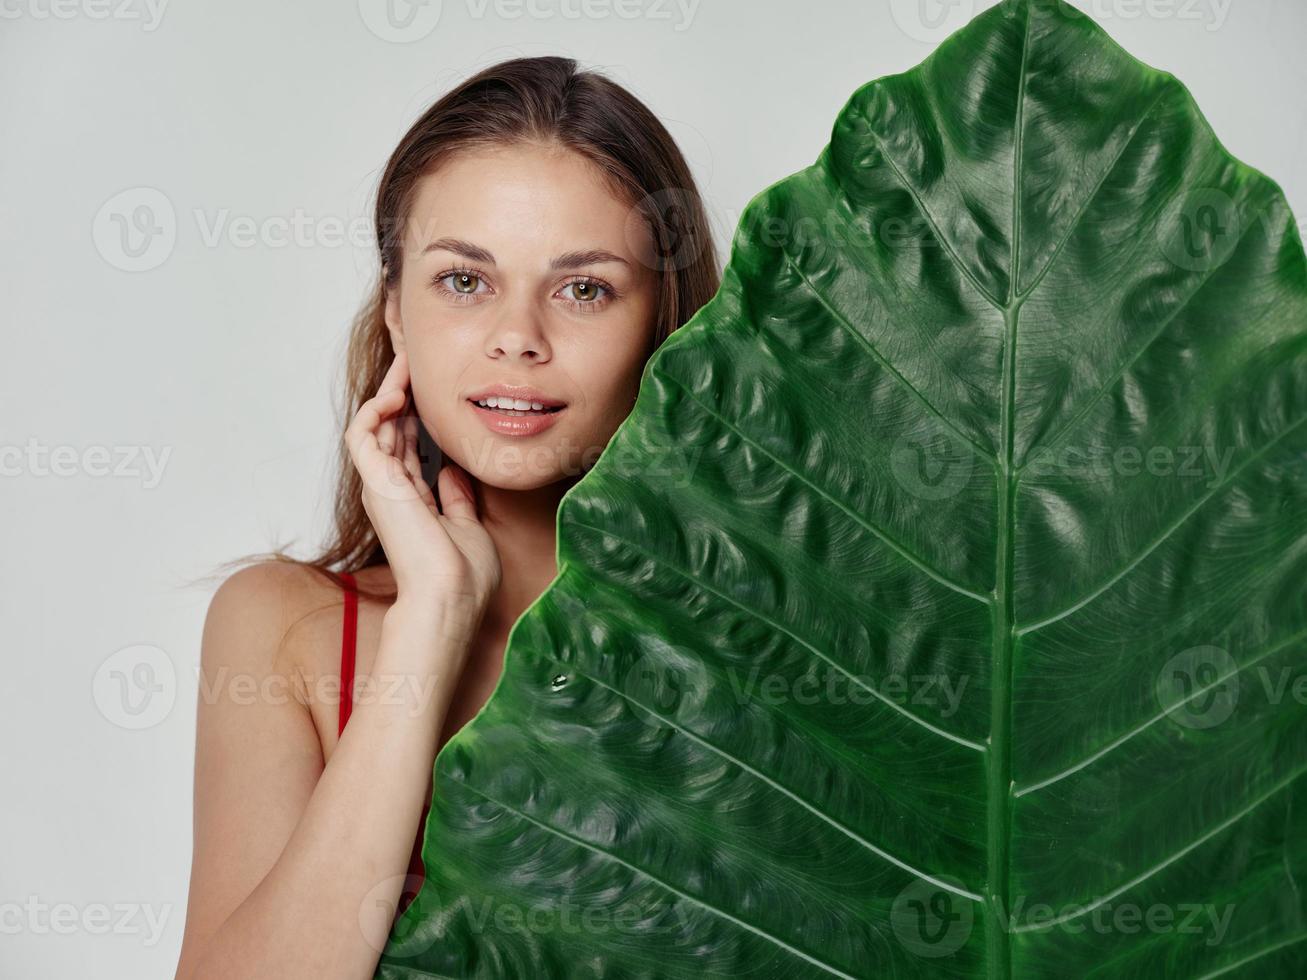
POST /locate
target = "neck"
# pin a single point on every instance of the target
(523, 526)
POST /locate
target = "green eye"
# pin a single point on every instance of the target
(586, 293)
(460, 285)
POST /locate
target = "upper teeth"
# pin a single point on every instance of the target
(517, 404)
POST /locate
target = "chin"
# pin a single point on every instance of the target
(525, 479)
(514, 464)
(564, 452)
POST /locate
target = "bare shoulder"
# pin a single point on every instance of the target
(257, 610)
(289, 619)
(281, 624)
(265, 619)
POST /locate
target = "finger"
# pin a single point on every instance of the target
(370, 416)
(413, 463)
(396, 375)
(378, 407)
(456, 497)
(385, 475)
(396, 378)
(362, 429)
(387, 431)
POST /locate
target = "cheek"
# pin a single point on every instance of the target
(434, 384)
(439, 350)
(610, 383)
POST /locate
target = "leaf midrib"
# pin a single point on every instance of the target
(999, 758)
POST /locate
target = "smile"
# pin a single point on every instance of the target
(514, 421)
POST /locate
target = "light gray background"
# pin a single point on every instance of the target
(241, 118)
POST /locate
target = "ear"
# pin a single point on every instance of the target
(393, 322)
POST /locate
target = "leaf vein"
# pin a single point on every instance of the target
(878, 532)
(1139, 729)
(1071, 423)
(1264, 951)
(782, 628)
(1093, 195)
(1162, 865)
(870, 348)
(1157, 542)
(781, 788)
(925, 213)
(581, 842)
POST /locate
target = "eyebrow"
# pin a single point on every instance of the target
(568, 260)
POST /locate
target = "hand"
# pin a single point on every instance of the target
(441, 553)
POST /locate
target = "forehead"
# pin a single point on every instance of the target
(525, 200)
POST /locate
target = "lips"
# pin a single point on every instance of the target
(510, 422)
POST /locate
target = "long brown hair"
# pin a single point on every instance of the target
(546, 100)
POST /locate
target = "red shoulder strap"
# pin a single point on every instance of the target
(347, 643)
(349, 633)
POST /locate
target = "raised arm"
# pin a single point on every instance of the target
(287, 850)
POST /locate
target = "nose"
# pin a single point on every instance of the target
(518, 335)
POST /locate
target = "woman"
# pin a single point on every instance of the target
(539, 236)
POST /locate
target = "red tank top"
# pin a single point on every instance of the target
(347, 644)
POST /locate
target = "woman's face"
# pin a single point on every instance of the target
(523, 272)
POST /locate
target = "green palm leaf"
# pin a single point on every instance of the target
(939, 609)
